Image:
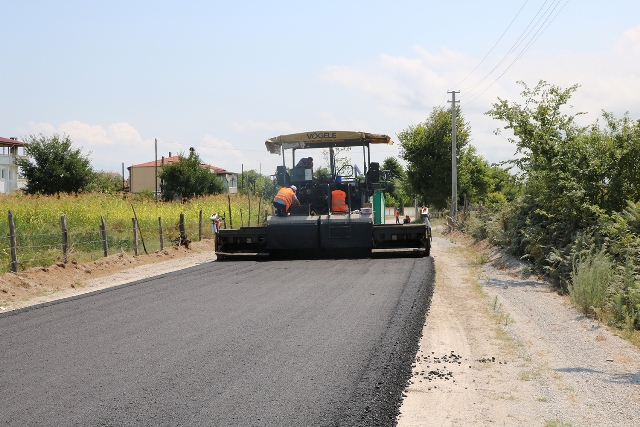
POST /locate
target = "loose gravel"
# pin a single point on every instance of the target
(499, 348)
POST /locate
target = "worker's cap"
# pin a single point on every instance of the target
(293, 187)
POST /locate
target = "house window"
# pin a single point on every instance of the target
(2, 173)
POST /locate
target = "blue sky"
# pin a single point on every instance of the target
(224, 76)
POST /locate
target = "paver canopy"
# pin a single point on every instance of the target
(324, 139)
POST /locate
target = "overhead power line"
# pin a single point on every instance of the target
(495, 44)
(525, 33)
(535, 37)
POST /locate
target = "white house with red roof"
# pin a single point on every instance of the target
(10, 149)
(142, 177)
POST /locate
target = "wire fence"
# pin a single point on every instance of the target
(20, 250)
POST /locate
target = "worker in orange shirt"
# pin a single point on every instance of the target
(284, 199)
(339, 201)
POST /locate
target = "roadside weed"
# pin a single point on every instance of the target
(590, 278)
(482, 258)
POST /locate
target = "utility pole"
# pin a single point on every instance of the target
(156, 171)
(454, 166)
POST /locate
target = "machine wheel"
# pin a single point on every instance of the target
(427, 249)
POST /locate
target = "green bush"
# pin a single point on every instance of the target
(624, 304)
(495, 198)
(476, 227)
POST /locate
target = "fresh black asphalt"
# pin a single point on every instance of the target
(279, 343)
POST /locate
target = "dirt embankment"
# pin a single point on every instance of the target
(43, 284)
(502, 349)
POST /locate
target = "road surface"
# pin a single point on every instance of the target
(283, 343)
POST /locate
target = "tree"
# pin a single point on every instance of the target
(188, 178)
(474, 180)
(426, 148)
(53, 166)
(564, 169)
(539, 125)
(395, 193)
(621, 138)
(396, 171)
(322, 174)
(258, 184)
(502, 181)
(105, 182)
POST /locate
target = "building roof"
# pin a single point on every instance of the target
(167, 161)
(176, 159)
(10, 141)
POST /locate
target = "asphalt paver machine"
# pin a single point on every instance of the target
(311, 229)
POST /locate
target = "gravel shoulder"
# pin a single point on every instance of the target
(502, 349)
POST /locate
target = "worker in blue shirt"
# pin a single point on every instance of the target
(305, 162)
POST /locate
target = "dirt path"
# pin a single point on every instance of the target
(500, 349)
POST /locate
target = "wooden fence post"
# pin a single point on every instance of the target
(139, 229)
(183, 234)
(249, 214)
(103, 235)
(135, 236)
(12, 237)
(259, 207)
(200, 227)
(65, 240)
(160, 231)
(230, 219)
